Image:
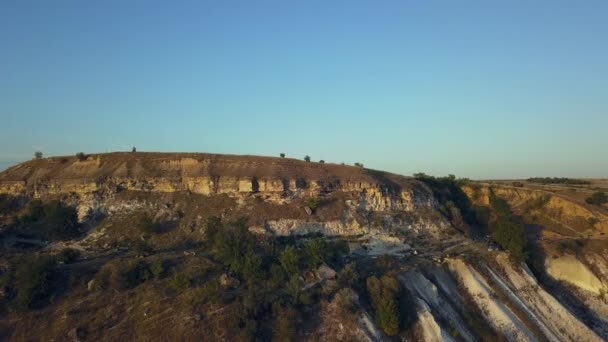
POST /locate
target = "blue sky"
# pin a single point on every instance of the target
(481, 89)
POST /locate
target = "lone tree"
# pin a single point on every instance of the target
(307, 158)
(322, 161)
(358, 164)
(81, 156)
(133, 150)
(282, 155)
(38, 155)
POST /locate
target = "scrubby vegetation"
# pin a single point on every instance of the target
(52, 220)
(8, 203)
(597, 198)
(28, 283)
(557, 180)
(506, 230)
(150, 226)
(68, 255)
(455, 204)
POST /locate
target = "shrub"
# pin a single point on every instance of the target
(307, 158)
(359, 165)
(598, 198)
(148, 225)
(505, 230)
(383, 293)
(133, 150)
(63, 220)
(8, 203)
(252, 267)
(314, 252)
(38, 155)
(57, 221)
(231, 242)
(102, 279)
(282, 155)
(33, 276)
(347, 276)
(68, 255)
(387, 316)
(133, 274)
(157, 267)
(290, 261)
(312, 203)
(277, 276)
(322, 161)
(345, 302)
(81, 156)
(517, 184)
(285, 324)
(179, 281)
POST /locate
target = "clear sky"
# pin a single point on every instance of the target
(480, 89)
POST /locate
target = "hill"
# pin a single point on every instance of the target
(193, 246)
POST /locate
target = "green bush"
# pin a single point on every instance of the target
(505, 230)
(597, 198)
(285, 324)
(68, 255)
(56, 221)
(81, 156)
(102, 279)
(312, 203)
(122, 276)
(345, 302)
(33, 277)
(290, 261)
(314, 251)
(179, 281)
(157, 267)
(133, 274)
(383, 294)
(347, 276)
(231, 241)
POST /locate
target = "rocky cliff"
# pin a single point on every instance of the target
(96, 184)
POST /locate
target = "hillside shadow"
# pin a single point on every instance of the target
(382, 179)
(558, 289)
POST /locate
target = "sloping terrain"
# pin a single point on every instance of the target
(159, 246)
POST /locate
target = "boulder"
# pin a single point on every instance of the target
(325, 272)
(228, 281)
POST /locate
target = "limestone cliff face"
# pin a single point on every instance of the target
(92, 183)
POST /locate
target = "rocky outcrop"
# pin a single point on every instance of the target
(570, 269)
(554, 205)
(273, 179)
